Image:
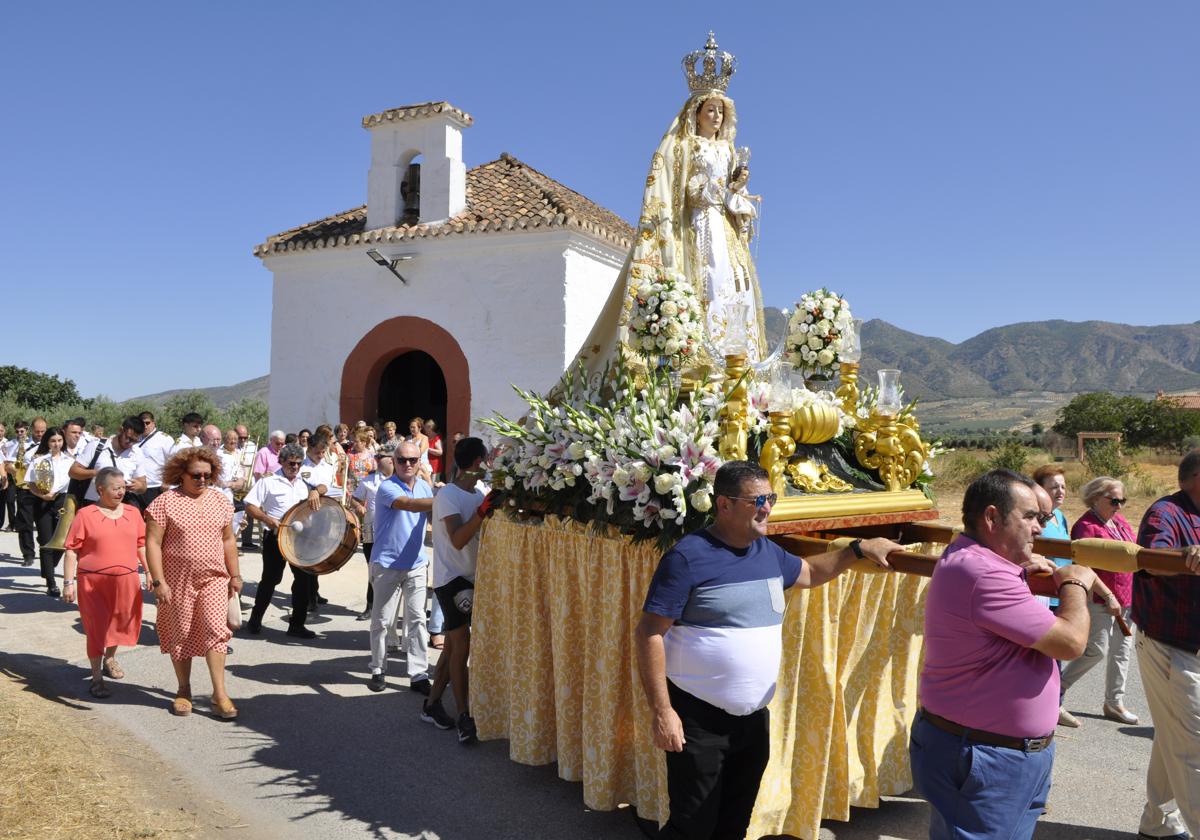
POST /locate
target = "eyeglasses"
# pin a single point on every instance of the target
(200, 476)
(759, 501)
(400, 459)
(1117, 502)
(290, 463)
(1044, 518)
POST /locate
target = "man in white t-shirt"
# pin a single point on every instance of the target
(156, 447)
(190, 437)
(458, 512)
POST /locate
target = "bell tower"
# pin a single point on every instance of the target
(438, 187)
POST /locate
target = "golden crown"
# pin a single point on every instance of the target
(711, 78)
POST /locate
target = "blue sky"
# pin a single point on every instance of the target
(948, 166)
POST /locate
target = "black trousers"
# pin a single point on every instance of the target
(272, 574)
(8, 504)
(24, 522)
(713, 783)
(370, 589)
(45, 520)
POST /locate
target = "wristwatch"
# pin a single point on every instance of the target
(154, 584)
(856, 547)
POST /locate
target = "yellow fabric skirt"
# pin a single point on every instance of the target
(553, 670)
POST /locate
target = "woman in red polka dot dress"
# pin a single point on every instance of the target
(193, 560)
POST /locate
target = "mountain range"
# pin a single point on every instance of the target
(1064, 357)
(1060, 357)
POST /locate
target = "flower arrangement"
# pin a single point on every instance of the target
(614, 453)
(665, 319)
(815, 332)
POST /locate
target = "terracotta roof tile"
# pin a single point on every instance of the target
(504, 194)
(421, 109)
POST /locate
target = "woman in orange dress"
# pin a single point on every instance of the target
(105, 548)
(193, 560)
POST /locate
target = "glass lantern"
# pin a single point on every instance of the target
(888, 402)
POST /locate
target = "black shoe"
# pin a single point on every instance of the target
(26, 561)
(377, 683)
(301, 633)
(254, 626)
(250, 546)
(432, 712)
(466, 729)
(53, 591)
(1183, 835)
(421, 686)
(364, 615)
(321, 600)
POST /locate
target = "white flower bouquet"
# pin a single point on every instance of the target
(613, 454)
(815, 333)
(665, 320)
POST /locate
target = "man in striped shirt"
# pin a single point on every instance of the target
(1165, 608)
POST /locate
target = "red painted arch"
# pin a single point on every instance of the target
(365, 365)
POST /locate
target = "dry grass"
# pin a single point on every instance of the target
(61, 778)
(1148, 481)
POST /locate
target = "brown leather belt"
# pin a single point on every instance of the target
(991, 739)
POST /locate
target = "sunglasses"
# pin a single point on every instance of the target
(1044, 518)
(200, 476)
(290, 463)
(1117, 502)
(400, 459)
(759, 501)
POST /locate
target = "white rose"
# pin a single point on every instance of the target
(701, 500)
(815, 342)
(663, 482)
(669, 308)
(648, 343)
(825, 357)
(823, 326)
(672, 347)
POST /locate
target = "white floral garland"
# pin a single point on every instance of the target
(816, 331)
(665, 320)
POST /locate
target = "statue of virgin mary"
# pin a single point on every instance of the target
(695, 218)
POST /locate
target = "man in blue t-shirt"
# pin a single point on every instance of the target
(709, 644)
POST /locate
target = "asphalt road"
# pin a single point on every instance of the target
(314, 753)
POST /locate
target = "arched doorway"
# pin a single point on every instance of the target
(366, 370)
(412, 385)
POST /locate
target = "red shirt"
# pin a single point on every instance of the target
(1118, 528)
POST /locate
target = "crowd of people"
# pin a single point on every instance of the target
(143, 510)
(997, 658)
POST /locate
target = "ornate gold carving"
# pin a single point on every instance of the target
(893, 446)
(812, 477)
(826, 505)
(847, 391)
(776, 451)
(814, 422)
(733, 414)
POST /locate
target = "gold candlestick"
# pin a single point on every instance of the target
(733, 414)
(847, 391)
(777, 450)
(894, 448)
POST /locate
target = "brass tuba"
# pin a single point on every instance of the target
(59, 541)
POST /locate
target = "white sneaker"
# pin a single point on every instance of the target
(1065, 718)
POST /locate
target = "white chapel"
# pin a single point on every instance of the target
(441, 291)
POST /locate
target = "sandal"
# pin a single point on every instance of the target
(182, 705)
(99, 690)
(112, 669)
(224, 709)
(437, 641)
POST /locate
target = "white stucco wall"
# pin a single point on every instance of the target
(519, 305)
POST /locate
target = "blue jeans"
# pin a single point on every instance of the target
(436, 620)
(976, 791)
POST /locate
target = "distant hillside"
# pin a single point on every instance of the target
(221, 395)
(1064, 357)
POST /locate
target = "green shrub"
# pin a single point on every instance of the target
(1189, 443)
(1010, 455)
(957, 469)
(1103, 457)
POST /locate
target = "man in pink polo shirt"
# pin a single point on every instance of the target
(982, 743)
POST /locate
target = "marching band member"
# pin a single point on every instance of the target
(120, 452)
(190, 438)
(23, 452)
(48, 498)
(156, 446)
(74, 439)
(8, 493)
(267, 501)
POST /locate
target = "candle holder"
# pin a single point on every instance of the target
(733, 414)
(779, 446)
(847, 391)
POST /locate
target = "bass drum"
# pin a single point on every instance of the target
(318, 541)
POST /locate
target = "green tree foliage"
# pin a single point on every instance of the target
(1010, 455)
(37, 390)
(1103, 457)
(1160, 423)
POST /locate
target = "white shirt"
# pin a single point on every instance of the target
(317, 474)
(274, 495)
(185, 442)
(450, 562)
(61, 465)
(157, 448)
(365, 492)
(11, 452)
(230, 462)
(130, 462)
